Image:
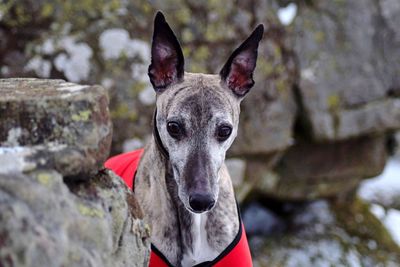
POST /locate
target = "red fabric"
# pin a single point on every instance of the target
(125, 166)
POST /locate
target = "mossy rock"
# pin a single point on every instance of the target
(329, 234)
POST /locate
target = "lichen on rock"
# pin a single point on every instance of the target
(58, 205)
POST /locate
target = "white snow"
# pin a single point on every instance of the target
(48, 47)
(147, 96)
(76, 63)
(107, 83)
(71, 87)
(392, 223)
(287, 14)
(116, 42)
(384, 188)
(139, 72)
(40, 66)
(13, 160)
(390, 218)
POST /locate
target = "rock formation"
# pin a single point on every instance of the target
(58, 205)
(323, 116)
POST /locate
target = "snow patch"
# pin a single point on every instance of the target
(13, 160)
(390, 219)
(287, 14)
(392, 223)
(139, 72)
(107, 83)
(40, 66)
(76, 63)
(147, 96)
(48, 47)
(116, 42)
(71, 87)
(385, 188)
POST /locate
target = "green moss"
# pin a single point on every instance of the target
(124, 112)
(264, 66)
(47, 10)
(81, 116)
(319, 36)
(281, 85)
(333, 102)
(358, 221)
(44, 178)
(89, 211)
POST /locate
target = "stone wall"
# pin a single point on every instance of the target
(58, 205)
(323, 116)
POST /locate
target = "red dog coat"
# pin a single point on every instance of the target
(237, 254)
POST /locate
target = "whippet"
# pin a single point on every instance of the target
(182, 183)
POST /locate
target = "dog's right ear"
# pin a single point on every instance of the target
(166, 56)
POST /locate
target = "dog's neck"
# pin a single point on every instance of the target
(183, 237)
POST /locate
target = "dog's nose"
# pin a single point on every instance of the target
(201, 202)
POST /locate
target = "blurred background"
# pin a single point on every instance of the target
(323, 116)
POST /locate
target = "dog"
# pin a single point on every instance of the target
(182, 183)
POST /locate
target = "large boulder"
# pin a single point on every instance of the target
(349, 59)
(310, 171)
(54, 124)
(50, 132)
(45, 222)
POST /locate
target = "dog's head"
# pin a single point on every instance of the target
(198, 114)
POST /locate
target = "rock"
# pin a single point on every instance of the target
(329, 234)
(261, 221)
(44, 222)
(55, 125)
(310, 171)
(348, 53)
(51, 131)
(236, 169)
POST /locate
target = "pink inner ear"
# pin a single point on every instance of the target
(164, 73)
(164, 65)
(240, 76)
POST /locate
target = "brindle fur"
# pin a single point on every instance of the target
(162, 185)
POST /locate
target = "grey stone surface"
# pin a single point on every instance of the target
(309, 171)
(349, 62)
(51, 131)
(43, 222)
(54, 124)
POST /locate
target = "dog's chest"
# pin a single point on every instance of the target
(200, 249)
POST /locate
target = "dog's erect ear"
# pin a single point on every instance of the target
(166, 55)
(237, 72)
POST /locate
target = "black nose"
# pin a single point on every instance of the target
(201, 202)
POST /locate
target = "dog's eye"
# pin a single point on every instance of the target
(174, 129)
(223, 133)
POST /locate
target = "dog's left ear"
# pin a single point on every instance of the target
(166, 56)
(237, 73)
